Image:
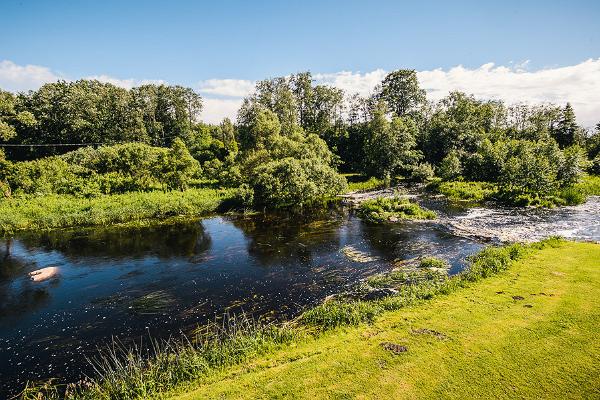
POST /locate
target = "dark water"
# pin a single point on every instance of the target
(160, 281)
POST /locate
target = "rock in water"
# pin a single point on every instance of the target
(43, 274)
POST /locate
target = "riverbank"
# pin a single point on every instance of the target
(532, 319)
(64, 211)
(477, 192)
(529, 332)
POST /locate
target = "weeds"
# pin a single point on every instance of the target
(141, 371)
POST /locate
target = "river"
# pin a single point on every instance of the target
(160, 281)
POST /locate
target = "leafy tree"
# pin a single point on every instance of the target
(401, 92)
(391, 146)
(10, 118)
(178, 167)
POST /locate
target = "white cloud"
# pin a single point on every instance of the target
(578, 84)
(124, 83)
(227, 87)
(16, 78)
(215, 110)
(353, 82)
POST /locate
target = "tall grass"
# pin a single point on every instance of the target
(359, 183)
(145, 371)
(60, 211)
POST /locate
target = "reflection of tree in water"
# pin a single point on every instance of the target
(18, 299)
(278, 238)
(185, 239)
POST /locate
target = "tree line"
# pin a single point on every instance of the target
(291, 140)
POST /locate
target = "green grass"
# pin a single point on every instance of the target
(589, 185)
(528, 332)
(360, 183)
(384, 209)
(61, 211)
(465, 191)
(477, 192)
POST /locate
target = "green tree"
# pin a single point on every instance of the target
(401, 92)
(567, 130)
(391, 146)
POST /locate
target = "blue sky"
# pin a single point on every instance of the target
(193, 42)
(187, 41)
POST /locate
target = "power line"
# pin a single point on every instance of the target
(51, 144)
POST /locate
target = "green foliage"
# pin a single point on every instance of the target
(390, 147)
(61, 211)
(401, 92)
(359, 183)
(567, 131)
(433, 262)
(108, 169)
(384, 209)
(450, 167)
(290, 181)
(422, 172)
(466, 191)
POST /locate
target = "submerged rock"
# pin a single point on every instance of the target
(356, 255)
(43, 274)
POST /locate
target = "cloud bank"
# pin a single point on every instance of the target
(578, 84)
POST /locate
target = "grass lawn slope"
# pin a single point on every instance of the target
(529, 332)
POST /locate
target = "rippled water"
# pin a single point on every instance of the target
(131, 283)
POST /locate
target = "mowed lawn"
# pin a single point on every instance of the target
(532, 332)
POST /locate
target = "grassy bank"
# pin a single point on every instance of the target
(61, 211)
(527, 333)
(483, 191)
(360, 183)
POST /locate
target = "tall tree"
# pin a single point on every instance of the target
(567, 130)
(401, 92)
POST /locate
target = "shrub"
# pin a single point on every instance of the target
(291, 181)
(434, 262)
(450, 167)
(422, 172)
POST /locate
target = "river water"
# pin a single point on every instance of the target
(160, 281)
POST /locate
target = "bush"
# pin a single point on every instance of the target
(290, 181)
(434, 262)
(466, 191)
(450, 168)
(422, 173)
